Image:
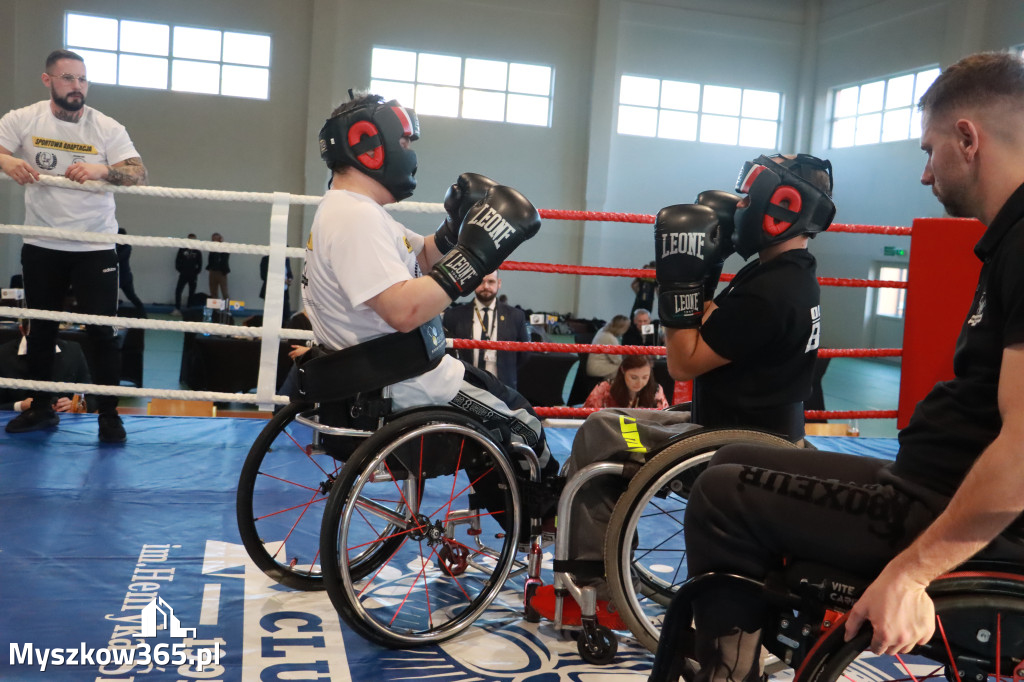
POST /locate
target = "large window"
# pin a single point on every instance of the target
(879, 111)
(891, 302)
(690, 111)
(483, 89)
(144, 54)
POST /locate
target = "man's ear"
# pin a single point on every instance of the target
(967, 138)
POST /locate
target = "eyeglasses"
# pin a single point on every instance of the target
(70, 78)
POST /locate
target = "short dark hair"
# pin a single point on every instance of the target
(980, 79)
(809, 168)
(57, 55)
(358, 99)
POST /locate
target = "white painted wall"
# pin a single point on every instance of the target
(801, 48)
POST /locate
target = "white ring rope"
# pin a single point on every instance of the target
(145, 323)
(271, 331)
(214, 194)
(98, 389)
(176, 242)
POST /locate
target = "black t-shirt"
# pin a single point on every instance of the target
(959, 418)
(768, 325)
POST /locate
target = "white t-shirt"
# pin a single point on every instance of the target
(50, 145)
(355, 251)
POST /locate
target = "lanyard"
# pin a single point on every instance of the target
(488, 330)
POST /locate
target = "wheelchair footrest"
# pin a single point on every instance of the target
(543, 603)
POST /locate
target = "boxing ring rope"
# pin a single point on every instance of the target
(277, 249)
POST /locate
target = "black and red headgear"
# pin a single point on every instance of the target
(784, 202)
(368, 137)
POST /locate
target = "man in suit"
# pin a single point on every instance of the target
(486, 318)
(635, 335)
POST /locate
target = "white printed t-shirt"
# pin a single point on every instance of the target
(355, 251)
(50, 145)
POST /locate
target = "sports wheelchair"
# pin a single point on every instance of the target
(979, 634)
(413, 521)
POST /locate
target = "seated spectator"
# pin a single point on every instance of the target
(69, 366)
(600, 364)
(635, 336)
(298, 348)
(633, 386)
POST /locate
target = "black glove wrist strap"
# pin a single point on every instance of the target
(457, 274)
(681, 306)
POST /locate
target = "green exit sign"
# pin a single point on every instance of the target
(893, 251)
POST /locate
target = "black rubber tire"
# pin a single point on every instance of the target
(670, 471)
(307, 576)
(963, 617)
(600, 652)
(282, 489)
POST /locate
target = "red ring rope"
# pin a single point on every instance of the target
(555, 268)
(573, 412)
(643, 218)
(546, 347)
(551, 214)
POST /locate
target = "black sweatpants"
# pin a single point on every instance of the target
(755, 506)
(93, 277)
(183, 281)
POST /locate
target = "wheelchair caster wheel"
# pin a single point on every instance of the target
(597, 646)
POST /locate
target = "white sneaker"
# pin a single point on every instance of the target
(176, 313)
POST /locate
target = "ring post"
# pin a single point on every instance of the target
(940, 287)
(273, 304)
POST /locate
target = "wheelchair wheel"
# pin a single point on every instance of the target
(282, 492)
(434, 486)
(645, 551)
(981, 638)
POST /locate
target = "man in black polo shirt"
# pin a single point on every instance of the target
(956, 489)
(752, 349)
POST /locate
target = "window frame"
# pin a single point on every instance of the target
(426, 92)
(853, 120)
(705, 119)
(223, 65)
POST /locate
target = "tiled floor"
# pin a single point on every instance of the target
(849, 383)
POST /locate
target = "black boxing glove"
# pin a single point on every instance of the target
(468, 189)
(681, 236)
(721, 247)
(492, 229)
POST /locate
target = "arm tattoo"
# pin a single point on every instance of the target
(128, 172)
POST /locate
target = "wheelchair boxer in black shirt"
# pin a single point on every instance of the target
(752, 349)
